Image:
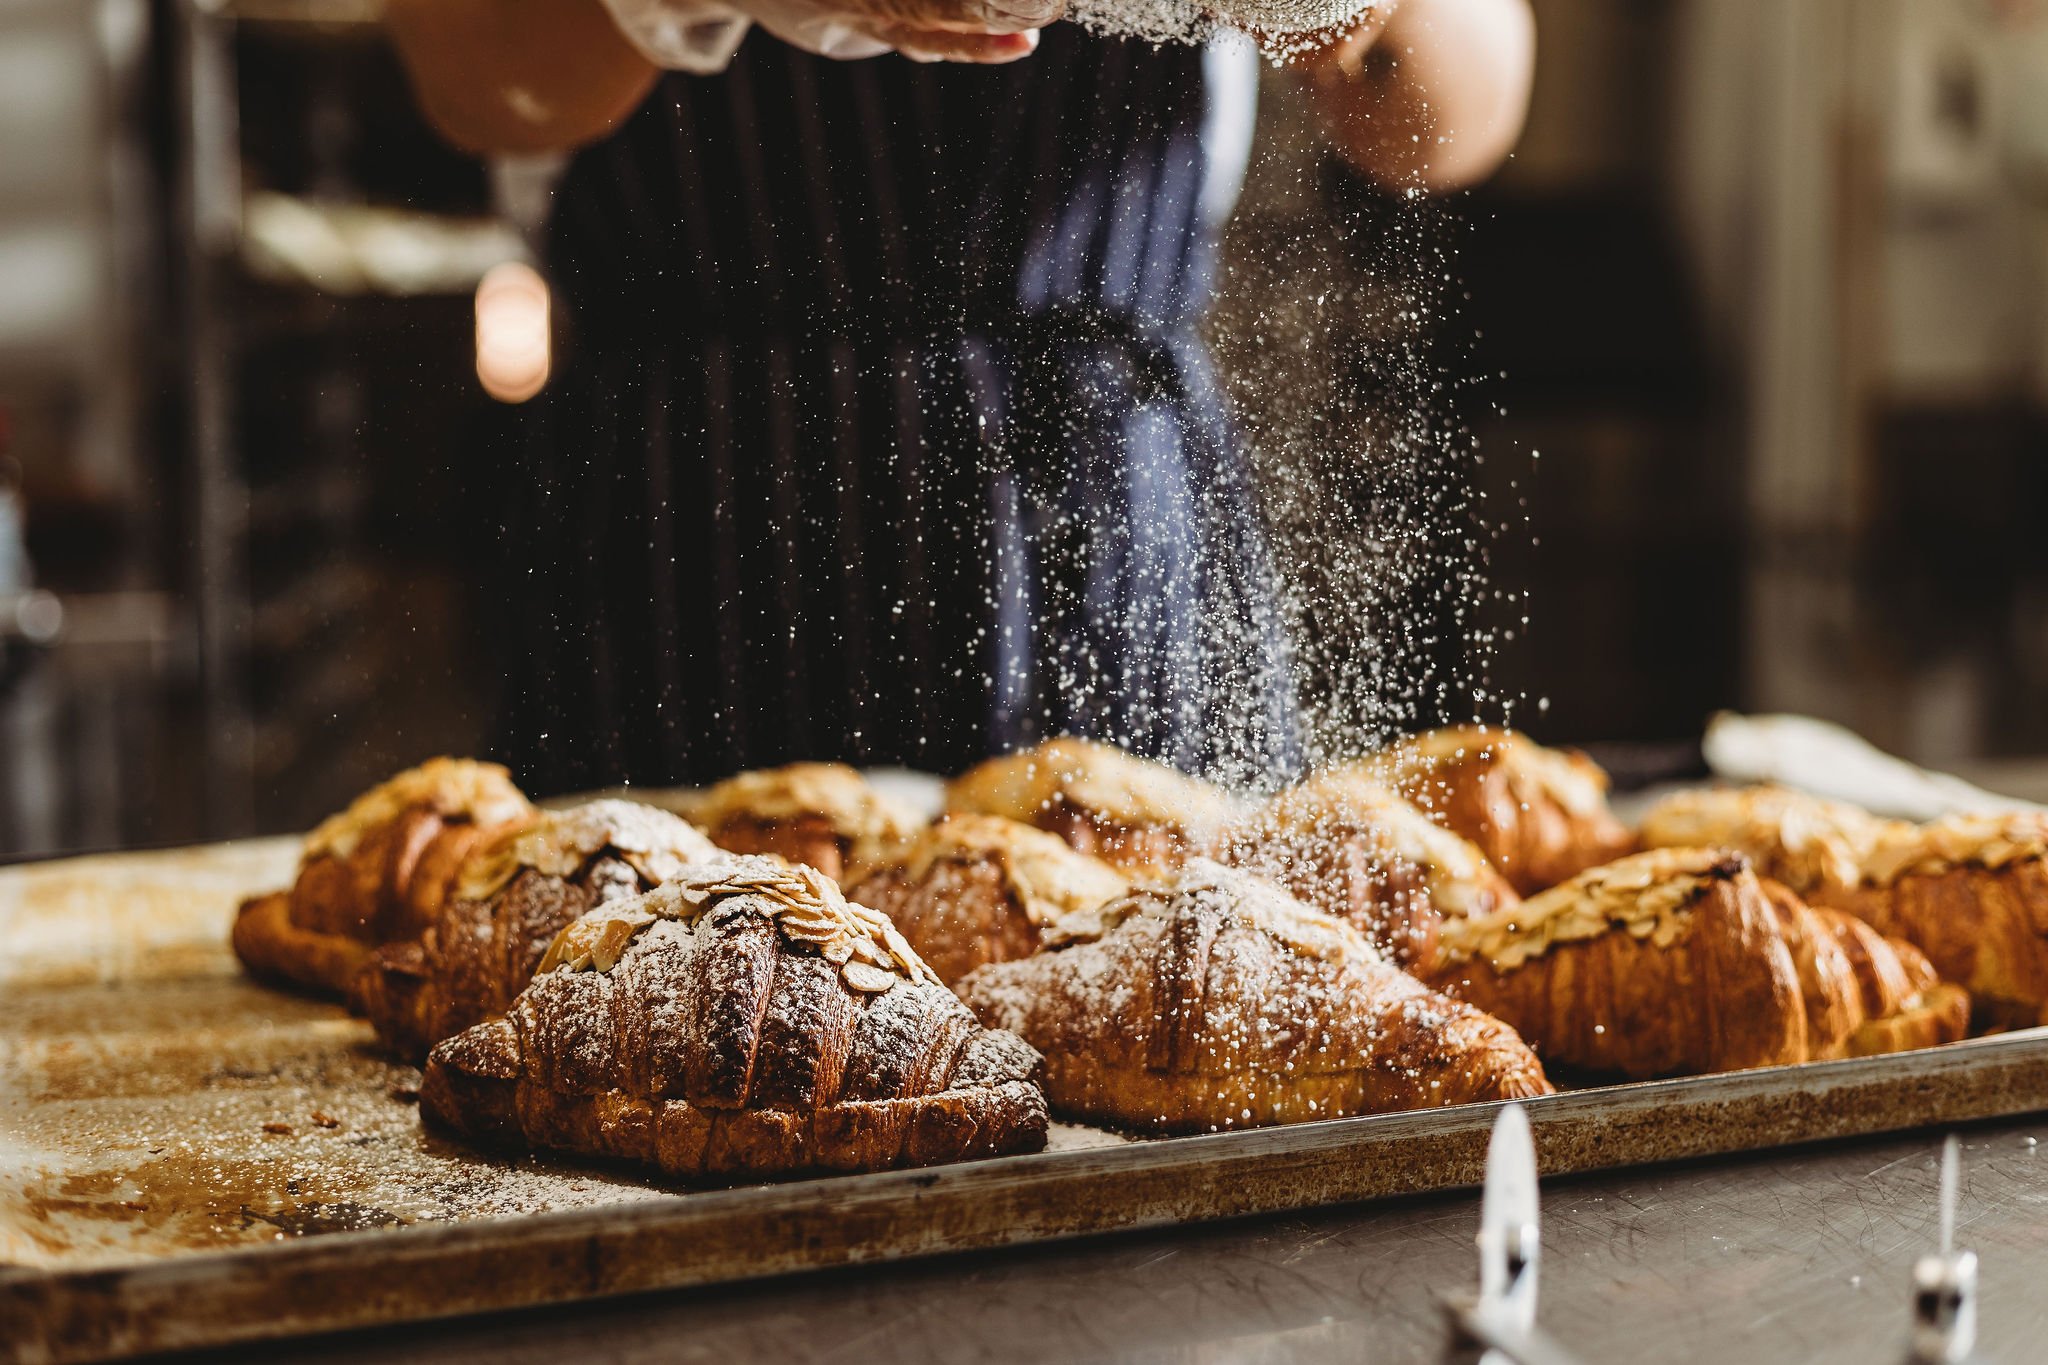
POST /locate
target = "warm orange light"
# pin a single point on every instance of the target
(512, 344)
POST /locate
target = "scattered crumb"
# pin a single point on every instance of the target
(281, 1129)
(325, 1120)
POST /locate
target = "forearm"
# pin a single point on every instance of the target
(503, 76)
(1437, 102)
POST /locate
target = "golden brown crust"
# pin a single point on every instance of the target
(1352, 849)
(1539, 815)
(1940, 1014)
(1216, 1000)
(1705, 981)
(378, 873)
(513, 896)
(741, 1022)
(1140, 815)
(275, 949)
(1840, 993)
(825, 815)
(974, 889)
(1969, 894)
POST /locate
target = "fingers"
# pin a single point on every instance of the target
(943, 45)
(966, 16)
(1342, 53)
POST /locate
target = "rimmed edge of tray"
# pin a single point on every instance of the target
(343, 1280)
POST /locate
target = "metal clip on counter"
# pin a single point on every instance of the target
(1499, 1326)
(1945, 1284)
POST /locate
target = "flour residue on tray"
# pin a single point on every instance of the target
(161, 1118)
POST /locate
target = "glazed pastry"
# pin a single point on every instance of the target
(1354, 850)
(377, 873)
(1539, 815)
(1865, 994)
(1814, 846)
(1971, 892)
(974, 889)
(1683, 962)
(1142, 816)
(1663, 963)
(514, 895)
(1216, 1000)
(823, 814)
(742, 1021)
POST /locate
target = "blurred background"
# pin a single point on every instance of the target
(1766, 285)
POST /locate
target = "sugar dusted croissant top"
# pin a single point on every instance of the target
(377, 873)
(1353, 849)
(513, 896)
(974, 889)
(1140, 815)
(742, 1021)
(824, 814)
(1216, 1000)
(1539, 815)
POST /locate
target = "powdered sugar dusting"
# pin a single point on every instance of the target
(1279, 27)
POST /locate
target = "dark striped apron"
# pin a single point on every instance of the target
(882, 433)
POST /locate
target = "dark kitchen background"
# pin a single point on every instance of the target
(1766, 285)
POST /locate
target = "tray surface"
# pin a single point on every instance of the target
(187, 1158)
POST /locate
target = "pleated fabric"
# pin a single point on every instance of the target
(883, 434)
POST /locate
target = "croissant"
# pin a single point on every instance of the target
(974, 889)
(1682, 961)
(1216, 1000)
(1354, 850)
(377, 873)
(1815, 847)
(1865, 994)
(1662, 963)
(1539, 815)
(514, 895)
(1971, 892)
(1144, 817)
(823, 814)
(741, 1021)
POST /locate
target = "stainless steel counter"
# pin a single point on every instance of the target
(1799, 1256)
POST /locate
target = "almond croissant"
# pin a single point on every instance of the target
(377, 873)
(1682, 962)
(514, 895)
(1815, 847)
(1970, 891)
(1216, 1000)
(1659, 964)
(823, 814)
(1352, 849)
(742, 1021)
(975, 889)
(1539, 815)
(1144, 817)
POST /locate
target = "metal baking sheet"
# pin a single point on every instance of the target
(187, 1159)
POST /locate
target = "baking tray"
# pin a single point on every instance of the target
(188, 1160)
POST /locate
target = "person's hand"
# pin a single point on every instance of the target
(922, 30)
(1342, 55)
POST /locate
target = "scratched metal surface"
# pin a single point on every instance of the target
(1796, 1256)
